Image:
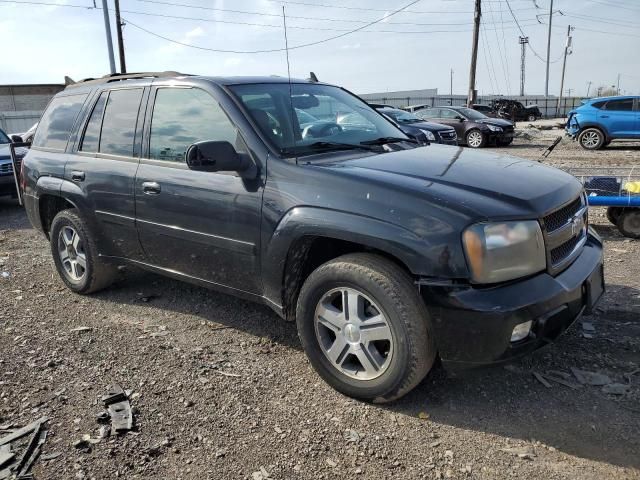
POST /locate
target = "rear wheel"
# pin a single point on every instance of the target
(476, 139)
(75, 254)
(591, 139)
(365, 328)
(629, 222)
(531, 118)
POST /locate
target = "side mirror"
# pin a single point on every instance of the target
(213, 156)
(16, 139)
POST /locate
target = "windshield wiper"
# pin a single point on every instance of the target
(340, 146)
(383, 140)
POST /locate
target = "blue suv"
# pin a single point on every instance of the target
(598, 121)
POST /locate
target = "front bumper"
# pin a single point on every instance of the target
(473, 326)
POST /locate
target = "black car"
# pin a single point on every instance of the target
(474, 129)
(418, 128)
(7, 179)
(386, 254)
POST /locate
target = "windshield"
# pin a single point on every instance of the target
(471, 114)
(325, 117)
(4, 138)
(401, 116)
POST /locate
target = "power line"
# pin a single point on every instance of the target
(280, 49)
(486, 49)
(502, 55)
(522, 31)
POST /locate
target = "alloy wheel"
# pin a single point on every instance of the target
(72, 255)
(474, 139)
(353, 333)
(591, 139)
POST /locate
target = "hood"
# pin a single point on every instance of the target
(431, 126)
(498, 122)
(483, 185)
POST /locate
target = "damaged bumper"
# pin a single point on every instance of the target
(474, 326)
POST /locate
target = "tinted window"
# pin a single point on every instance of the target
(119, 124)
(428, 113)
(446, 113)
(56, 123)
(91, 139)
(183, 116)
(625, 105)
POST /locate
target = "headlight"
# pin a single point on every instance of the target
(493, 128)
(497, 252)
(430, 136)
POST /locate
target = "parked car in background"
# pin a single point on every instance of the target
(474, 129)
(388, 255)
(515, 110)
(599, 121)
(7, 179)
(420, 129)
(486, 109)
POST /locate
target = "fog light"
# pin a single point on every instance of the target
(521, 331)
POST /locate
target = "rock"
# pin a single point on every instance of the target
(423, 416)
(81, 329)
(351, 436)
(588, 327)
(521, 452)
(435, 444)
(590, 378)
(616, 389)
(331, 463)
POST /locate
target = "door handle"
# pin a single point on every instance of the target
(604, 116)
(151, 188)
(77, 176)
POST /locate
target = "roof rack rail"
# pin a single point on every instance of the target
(117, 77)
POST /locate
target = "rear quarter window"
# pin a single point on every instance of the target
(57, 121)
(598, 104)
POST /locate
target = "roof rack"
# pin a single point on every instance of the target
(117, 77)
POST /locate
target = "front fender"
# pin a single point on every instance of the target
(412, 250)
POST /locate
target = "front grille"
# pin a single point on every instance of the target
(448, 135)
(561, 217)
(565, 231)
(561, 252)
(5, 168)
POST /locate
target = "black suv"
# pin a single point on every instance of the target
(386, 254)
(474, 128)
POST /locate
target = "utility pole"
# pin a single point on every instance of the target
(523, 45)
(546, 83)
(451, 84)
(618, 86)
(107, 29)
(123, 66)
(567, 51)
(473, 93)
(589, 87)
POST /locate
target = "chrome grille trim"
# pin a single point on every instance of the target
(565, 233)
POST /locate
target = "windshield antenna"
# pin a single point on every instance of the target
(286, 47)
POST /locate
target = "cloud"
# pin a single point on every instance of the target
(196, 32)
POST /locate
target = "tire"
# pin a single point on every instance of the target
(591, 139)
(475, 138)
(629, 222)
(613, 213)
(531, 118)
(382, 289)
(75, 255)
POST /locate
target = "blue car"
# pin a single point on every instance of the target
(598, 121)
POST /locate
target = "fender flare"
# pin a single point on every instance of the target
(301, 222)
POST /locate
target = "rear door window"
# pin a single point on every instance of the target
(446, 113)
(91, 139)
(119, 122)
(57, 121)
(622, 105)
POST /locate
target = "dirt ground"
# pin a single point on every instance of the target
(221, 388)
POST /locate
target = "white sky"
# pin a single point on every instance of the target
(43, 43)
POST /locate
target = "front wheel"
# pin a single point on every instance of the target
(613, 213)
(365, 328)
(591, 139)
(476, 139)
(531, 118)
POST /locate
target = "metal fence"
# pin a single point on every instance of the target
(18, 122)
(547, 105)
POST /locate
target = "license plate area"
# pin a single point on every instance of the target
(594, 288)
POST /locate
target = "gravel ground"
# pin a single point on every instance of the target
(222, 390)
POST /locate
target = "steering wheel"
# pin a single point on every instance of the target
(321, 130)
